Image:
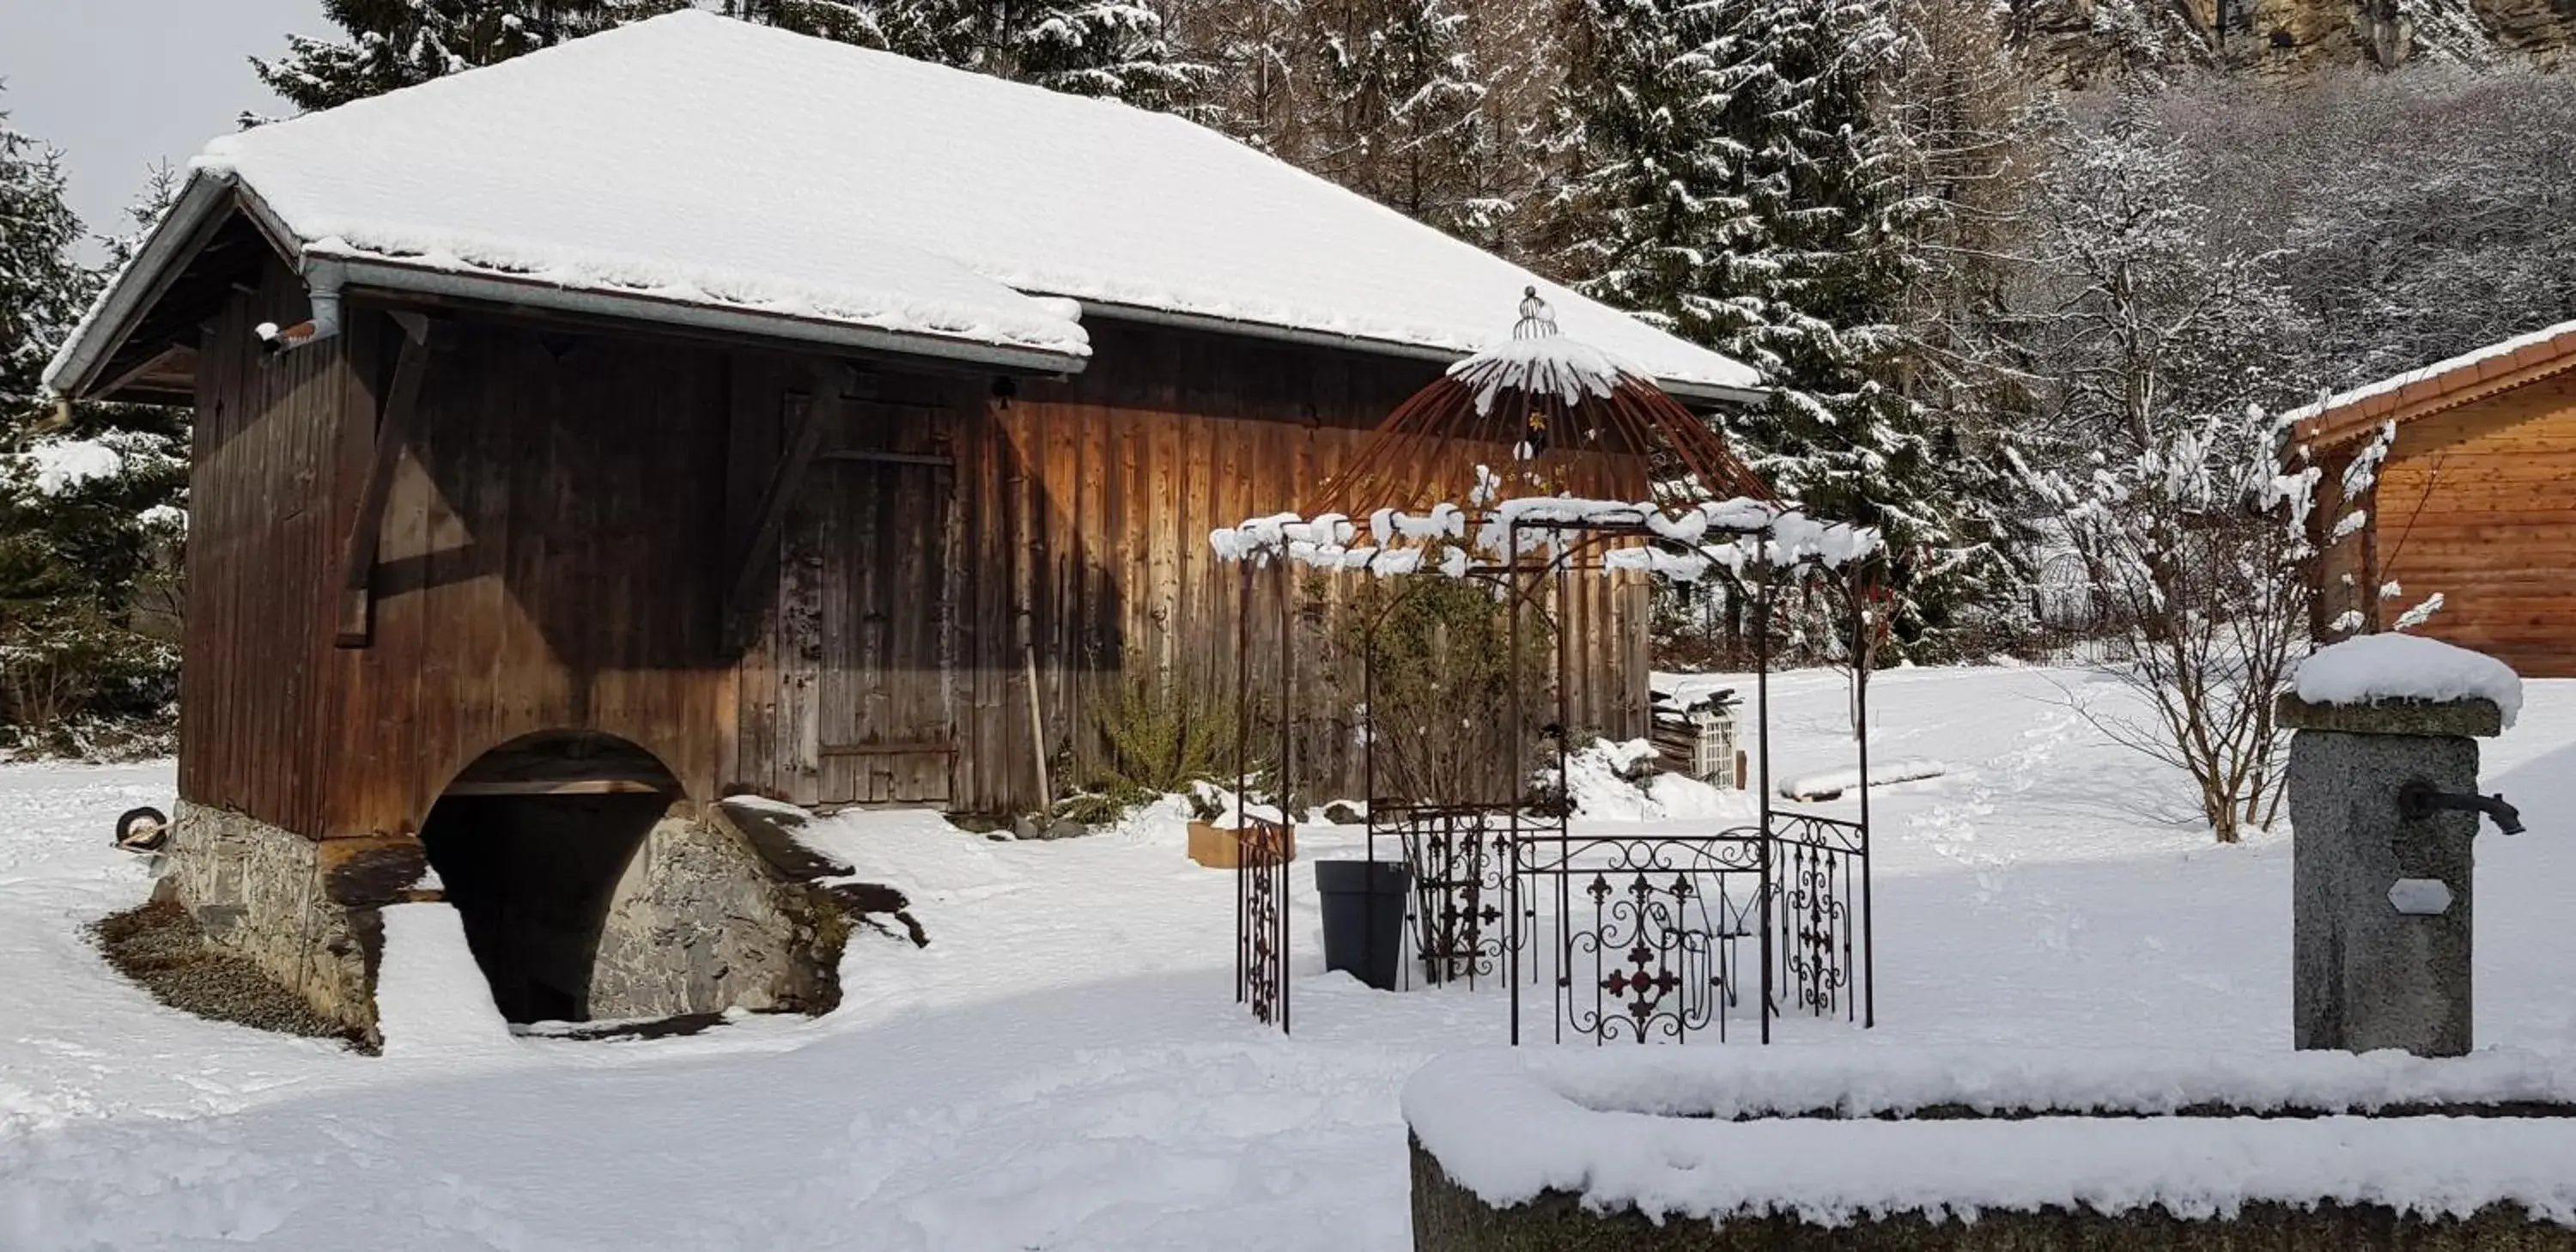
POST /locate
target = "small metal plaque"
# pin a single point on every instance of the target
(2421, 897)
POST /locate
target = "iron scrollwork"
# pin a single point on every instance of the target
(1261, 920)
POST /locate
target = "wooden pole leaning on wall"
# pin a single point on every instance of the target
(355, 614)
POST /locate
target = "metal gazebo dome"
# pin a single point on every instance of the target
(1575, 421)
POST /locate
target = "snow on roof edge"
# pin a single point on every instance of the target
(609, 272)
(2400, 381)
(211, 188)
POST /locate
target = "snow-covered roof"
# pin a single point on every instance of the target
(2443, 383)
(695, 160)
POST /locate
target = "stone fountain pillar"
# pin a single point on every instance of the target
(2381, 882)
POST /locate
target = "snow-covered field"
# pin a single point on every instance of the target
(1064, 1067)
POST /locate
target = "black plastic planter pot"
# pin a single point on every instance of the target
(1364, 917)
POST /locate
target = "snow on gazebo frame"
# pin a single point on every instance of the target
(1645, 927)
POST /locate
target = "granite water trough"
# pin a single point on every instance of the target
(1710, 1150)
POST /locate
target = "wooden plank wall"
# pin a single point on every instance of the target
(551, 561)
(545, 564)
(1124, 584)
(559, 538)
(2479, 504)
(269, 509)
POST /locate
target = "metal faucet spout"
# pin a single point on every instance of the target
(2417, 800)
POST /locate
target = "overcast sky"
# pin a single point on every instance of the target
(121, 84)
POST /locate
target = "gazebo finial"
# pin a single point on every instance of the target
(1537, 320)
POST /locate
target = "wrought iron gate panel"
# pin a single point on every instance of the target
(1823, 886)
(1644, 930)
(1463, 887)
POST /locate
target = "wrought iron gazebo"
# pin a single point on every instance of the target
(1625, 934)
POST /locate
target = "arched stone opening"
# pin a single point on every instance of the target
(592, 888)
(532, 843)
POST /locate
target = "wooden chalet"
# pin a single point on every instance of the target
(698, 409)
(2475, 502)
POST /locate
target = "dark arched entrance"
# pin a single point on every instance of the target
(531, 842)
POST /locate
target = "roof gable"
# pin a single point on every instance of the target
(695, 159)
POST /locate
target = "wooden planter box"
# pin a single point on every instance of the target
(1974, 1153)
(1217, 848)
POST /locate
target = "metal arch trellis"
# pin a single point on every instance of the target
(1634, 936)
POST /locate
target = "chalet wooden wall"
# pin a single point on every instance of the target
(2479, 504)
(266, 505)
(1061, 530)
(1171, 434)
(546, 563)
(570, 512)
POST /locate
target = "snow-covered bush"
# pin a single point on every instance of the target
(2184, 505)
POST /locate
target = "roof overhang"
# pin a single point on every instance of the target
(83, 366)
(1704, 393)
(2437, 388)
(77, 367)
(88, 363)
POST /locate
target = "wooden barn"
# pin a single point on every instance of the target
(698, 409)
(2474, 502)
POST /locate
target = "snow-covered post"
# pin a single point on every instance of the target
(2383, 796)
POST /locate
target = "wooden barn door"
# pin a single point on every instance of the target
(868, 560)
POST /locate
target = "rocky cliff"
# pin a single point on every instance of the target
(2076, 42)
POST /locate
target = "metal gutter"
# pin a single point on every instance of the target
(1682, 388)
(394, 276)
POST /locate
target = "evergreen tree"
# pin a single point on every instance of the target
(399, 43)
(88, 507)
(1655, 169)
(1748, 187)
(836, 20)
(1110, 48)
(1398, 91)
(41, 287)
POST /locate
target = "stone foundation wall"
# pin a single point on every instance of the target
(714, 911)
(304, 911)
(699, 923)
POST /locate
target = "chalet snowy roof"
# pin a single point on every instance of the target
(696, 161)
(2441, 385)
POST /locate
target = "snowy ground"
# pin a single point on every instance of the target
(1064, 1068)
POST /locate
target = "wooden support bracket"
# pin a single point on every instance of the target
(808, 416)
(393, 431)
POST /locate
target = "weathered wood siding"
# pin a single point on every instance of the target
(546, 563)
(2479, 504)
(267, 509)
(565, 523)
(1124, 470)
